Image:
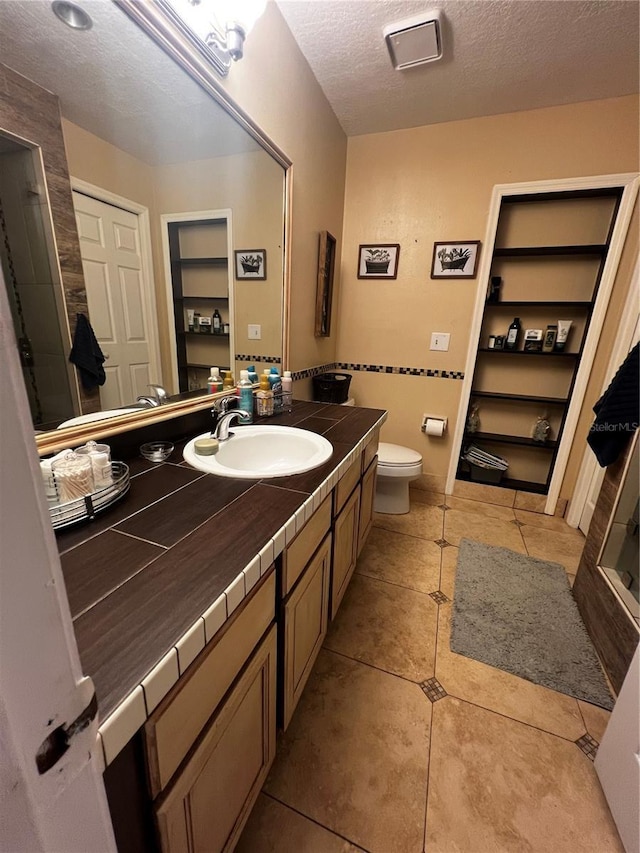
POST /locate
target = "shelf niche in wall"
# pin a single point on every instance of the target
(550, 251)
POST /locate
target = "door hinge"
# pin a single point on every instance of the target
(56, 744)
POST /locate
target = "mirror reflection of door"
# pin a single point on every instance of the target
(116, 294)
(32, 280)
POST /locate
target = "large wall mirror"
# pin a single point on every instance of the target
(168, 183)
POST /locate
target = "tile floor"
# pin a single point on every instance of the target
(399, 745)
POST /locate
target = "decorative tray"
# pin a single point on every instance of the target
(86, 508)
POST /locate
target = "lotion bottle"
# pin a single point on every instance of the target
(276, 387)
(245, 389)
(228, 381)
(214, 383)
(264, 397)
(287, 391)
(513, 335)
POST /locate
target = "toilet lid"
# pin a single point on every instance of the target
(395, 454)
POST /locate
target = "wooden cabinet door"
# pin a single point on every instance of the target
(366, 503)
(306, 616)
(206, 808)
(345, 549)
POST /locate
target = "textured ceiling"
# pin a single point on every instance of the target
(115, 82)
(500, 56)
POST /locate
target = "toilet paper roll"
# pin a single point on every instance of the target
(434, 426)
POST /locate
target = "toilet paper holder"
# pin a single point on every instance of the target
(435, 419)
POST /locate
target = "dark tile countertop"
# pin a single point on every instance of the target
(141, 574)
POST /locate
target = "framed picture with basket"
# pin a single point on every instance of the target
(455, 260)
(378, 260)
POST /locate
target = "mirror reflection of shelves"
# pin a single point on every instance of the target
(549, 256)
(200, 278)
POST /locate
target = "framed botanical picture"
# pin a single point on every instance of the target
(251, 264)
(455, 260)
(378, 260)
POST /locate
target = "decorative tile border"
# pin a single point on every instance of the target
(379, 368)
(265, 359)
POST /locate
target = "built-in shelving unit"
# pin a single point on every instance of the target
(200, 280)
(550, 251)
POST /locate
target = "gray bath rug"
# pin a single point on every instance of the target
(517, 613)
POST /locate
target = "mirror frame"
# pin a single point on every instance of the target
(183, 49)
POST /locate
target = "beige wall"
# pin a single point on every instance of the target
(434, 183)
(274, 85)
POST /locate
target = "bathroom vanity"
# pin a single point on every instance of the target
(200, 604)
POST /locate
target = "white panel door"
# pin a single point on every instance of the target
(113, 272)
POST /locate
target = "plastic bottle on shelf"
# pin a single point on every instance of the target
(264, 397)
(513, 335)
(228, 382)
(214, 382)
(276, 387)
(245, 395)
(287, 391)
(253, 375)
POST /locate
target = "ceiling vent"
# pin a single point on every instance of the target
(415, 41)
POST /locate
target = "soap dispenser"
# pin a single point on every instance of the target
(214, 382)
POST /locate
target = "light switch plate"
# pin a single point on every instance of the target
(255, 332)
(440, 341)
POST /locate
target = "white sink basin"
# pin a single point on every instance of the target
(253, 452)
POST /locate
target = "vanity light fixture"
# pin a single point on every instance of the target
(415, 41)
(219, 26)
(72, 15)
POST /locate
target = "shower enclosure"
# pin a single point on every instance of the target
(32, 280)
(620, 557)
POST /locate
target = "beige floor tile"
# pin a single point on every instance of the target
(355, 756)
(466, 525)
(404, 560)
(387, 626)
(448, 565)
(496, 785)
(501, 691)
(548, 522)
(480, 492)
(480, 508)
(596, 719)
(274, 828)
(529, 501)
(563, 548)
(419, 496)
(423, 520)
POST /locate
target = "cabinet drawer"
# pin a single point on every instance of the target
(206, 808)
(345, 549)
(367, 496)
(370, 450)
(346, 485)
(306, 616)
(173, 727)
(299, 552)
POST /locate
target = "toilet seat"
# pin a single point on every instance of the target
(397, 461)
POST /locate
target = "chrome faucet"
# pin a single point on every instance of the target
(224, 421)
(158, 398)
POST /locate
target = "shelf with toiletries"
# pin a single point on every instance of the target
(547, 262)
(200, 280)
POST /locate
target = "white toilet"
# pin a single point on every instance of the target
(397, 467)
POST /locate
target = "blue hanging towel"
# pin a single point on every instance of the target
(87, 355)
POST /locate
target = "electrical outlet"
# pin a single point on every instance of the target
(440, 341)
(255, 332)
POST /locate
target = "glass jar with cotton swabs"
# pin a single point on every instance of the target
(80, 483)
